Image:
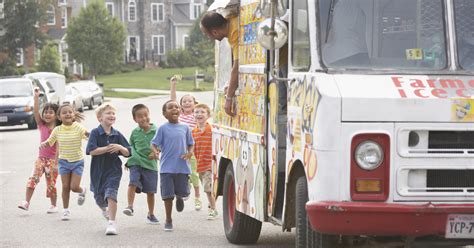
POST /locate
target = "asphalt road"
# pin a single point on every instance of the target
(33, 228)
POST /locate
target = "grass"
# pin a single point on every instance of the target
(131, 95)
(153, 79)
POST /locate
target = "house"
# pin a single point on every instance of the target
(154, 27)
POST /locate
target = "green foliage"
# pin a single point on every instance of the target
(200, 48)
(7, 65)
(179, 58)
(96, 39)
(49, 60)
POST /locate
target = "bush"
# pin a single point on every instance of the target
(179, 58)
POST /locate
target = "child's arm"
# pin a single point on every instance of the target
(189, 154)
(155, 151)
(36, 110)
(51, 140)
(173, 82)
(116, 148)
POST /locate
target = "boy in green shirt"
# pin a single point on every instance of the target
(142, 164)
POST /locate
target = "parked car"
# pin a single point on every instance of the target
(17, 100)
(57, 81)
(74, 97)
(91, 92)
(51, 94)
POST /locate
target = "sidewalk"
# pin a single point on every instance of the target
(151, 91)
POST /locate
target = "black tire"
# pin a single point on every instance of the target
(305, 236)
(91, 104)
(32, 124)
(239, 228)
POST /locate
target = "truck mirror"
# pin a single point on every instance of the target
(272, 39)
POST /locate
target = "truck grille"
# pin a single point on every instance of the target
(448, 140)
(450, 179)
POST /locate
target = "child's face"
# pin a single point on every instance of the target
(172, 112)
(201, 115)
(187, 104)
(142, 118)
(107, 117)
(49, 116)
(66, 115)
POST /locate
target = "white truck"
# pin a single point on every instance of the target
(369, 133)
(57, 81)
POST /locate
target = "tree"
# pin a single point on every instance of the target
(21, 26)
(49, 60)
(96, 39)
(201, 49)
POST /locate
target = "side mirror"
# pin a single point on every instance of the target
(52, 91)
(272, 39)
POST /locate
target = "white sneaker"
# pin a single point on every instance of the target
(52, 209)
(66, 214)
(111, 229)
(24, 205)
(82, 196)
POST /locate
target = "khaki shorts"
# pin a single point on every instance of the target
(206, 180)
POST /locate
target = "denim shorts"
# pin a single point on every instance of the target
(172, 184)
(66, 167)
(144, 179)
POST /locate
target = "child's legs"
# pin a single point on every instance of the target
(194, 177)
(66, 187)
(150, 198)
(206, 179)
(112, 204)
(181, 185)
(168, 210)
(111, 191)
(34, 179)
(135, 185)
(149, 181)
(51, 174)
(77, 169)
(167, 193)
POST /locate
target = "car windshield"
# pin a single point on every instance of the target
(464, 19)
(15, 88)
(385, 34)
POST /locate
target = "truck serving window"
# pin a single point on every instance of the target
(464, 19)
(301, 53)
(385, 34)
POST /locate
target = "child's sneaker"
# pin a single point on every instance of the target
(111, 229)
(168, 227)
(212, 214)
(152, 220)
(105, 213)
(66, 214)
(179, 204)
(197, 204)
(82, 196)
(52, 209)
(128, 211)
(24, 205)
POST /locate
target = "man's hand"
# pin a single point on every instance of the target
(229, 106)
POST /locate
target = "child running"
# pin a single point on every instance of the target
(142, 163)
(46, 163)
(202, 135)
(105, 145)
(175, 142)
(187, 103)
(69, 136)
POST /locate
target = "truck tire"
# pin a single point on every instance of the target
(32, 124)
(239, 228)
(305, 236)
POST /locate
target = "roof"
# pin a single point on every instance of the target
(180, 15)
(56, 34)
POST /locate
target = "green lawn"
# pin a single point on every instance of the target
(154, 79)
(132, 95)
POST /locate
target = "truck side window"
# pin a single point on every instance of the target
(301, 53)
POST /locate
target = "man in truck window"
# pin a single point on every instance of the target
(216, 27)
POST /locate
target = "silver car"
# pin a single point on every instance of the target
(91, 92)
(74, 97)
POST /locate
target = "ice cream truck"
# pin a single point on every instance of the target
(354, 120)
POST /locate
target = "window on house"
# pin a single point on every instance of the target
(19, 57)
(110, 8)
(157, 12)
(51, 15)
(62, 2)
(132, 11)
(63, 17)
(185, 41)
(196, 11)
(158, 43)
(133, 49)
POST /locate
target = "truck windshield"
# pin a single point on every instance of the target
(383, 34)
(464, 19)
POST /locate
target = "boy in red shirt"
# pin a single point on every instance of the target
(202, 135)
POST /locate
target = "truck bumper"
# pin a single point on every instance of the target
(384, 219)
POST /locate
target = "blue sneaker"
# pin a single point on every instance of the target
(179, 204)
(168, 227)
(152, 220)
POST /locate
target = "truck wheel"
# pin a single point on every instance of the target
(239, 228)
(91, 104)
(32, 123)
(305, 236)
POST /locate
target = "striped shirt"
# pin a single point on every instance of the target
(187, 119)
(69, 140)
(203, 147)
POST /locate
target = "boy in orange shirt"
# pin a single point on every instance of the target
(202, 135)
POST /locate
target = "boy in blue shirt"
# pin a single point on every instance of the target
(175, 143)
(142, 163)
(105, 145)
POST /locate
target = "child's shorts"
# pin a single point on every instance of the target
(144, 179)
(194, 177)
(66, 167)
(206, 180)
(49, 168)
(172, 184)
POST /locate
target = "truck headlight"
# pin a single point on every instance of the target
(369, 155)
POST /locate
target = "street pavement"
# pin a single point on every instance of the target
(35, 228)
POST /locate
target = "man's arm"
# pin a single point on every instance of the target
(233, 85)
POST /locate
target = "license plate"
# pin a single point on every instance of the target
(460, 226)
(3, 118)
